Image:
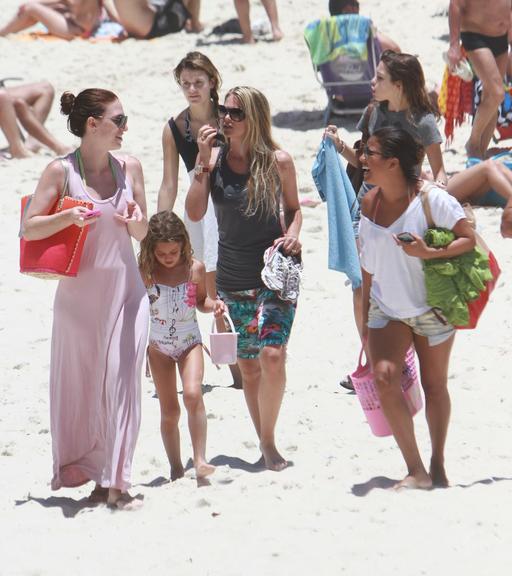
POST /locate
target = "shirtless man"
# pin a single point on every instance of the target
(67, 19)
(482, 28)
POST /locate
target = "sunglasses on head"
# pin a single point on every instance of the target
(236, 114)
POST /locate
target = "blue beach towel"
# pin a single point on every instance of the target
(335, 188)
(344, 35)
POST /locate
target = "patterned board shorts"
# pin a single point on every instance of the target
(260, 318)
(431, 325)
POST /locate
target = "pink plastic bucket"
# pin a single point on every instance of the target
(364, 385)
(223, 345)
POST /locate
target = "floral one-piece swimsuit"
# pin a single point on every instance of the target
(173, 322)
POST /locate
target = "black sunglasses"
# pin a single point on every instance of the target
(120, 120)
(367, 151)
(236, 114)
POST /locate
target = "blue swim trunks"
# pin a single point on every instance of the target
(261, 319)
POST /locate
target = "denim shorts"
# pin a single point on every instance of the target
(430, 324)
(260, 317)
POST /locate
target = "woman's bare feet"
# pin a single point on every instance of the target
(177, 472)
(32, 144)
(473, 151)
(20, 152)
(273, 460)
(418, 481)
(122, 500)
(203, 469)
(99, 495)
(248, 39)
(277, 34)
(193, 26)
(438, 475)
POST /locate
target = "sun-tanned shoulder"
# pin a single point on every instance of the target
(368, 200)
(129, 161)
(283, 158)
(197, 271)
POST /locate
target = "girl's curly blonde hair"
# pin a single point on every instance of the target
(163, 227)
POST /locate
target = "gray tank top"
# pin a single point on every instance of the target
(242, 238)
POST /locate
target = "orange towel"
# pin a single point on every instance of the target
(455, 102)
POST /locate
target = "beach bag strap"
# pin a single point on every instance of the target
(65, 165)
(60, 200)
(426, 204)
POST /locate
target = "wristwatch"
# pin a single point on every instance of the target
(200, 169)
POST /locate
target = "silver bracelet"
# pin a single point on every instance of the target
(342, 147)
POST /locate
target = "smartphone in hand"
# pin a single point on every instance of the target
(405, 237)
(92, 214)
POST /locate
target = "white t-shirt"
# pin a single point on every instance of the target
(398, 283)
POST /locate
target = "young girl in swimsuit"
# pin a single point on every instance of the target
(176, 286)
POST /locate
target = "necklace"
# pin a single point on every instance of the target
(82, 169)
(188, 126)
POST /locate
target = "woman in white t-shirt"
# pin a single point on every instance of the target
(395, 311)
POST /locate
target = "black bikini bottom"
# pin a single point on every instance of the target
(169, 18)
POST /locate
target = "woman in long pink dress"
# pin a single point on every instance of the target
(101, 316)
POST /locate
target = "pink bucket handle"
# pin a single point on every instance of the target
(230, 322)
(359, 365)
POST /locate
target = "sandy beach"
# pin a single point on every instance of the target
(330, 513)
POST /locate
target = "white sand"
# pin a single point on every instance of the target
(320, 516)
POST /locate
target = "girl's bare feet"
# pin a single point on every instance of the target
(438, 475)
(418, 481)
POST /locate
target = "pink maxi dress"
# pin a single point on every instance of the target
(98, 343)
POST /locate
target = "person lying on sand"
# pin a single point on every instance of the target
(144, 20)
(66, 19)
(29, 105)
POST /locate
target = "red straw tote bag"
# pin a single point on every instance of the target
(57, 256)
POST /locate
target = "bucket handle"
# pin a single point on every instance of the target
(230, 322)
(359, 365)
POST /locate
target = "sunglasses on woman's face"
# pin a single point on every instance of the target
(120, 120)
(368, 152)
(236, 114)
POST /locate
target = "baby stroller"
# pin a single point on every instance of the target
(344, 53)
